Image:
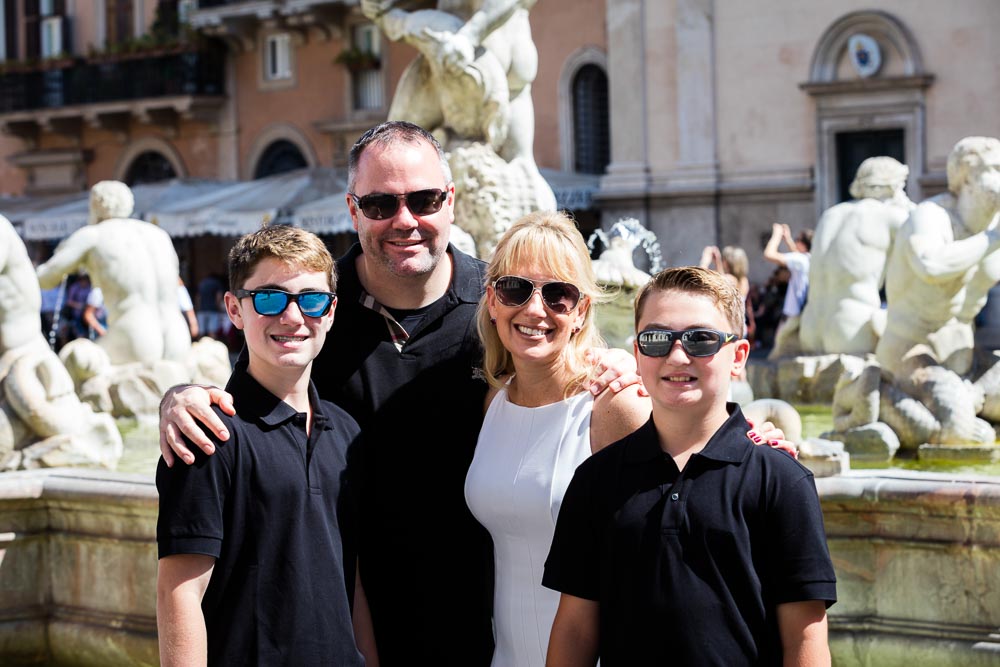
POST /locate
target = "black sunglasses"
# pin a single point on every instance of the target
(696, 342)
(559, 297)
(274, 301)
(381, 205)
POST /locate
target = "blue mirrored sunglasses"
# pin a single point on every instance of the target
(274, 301)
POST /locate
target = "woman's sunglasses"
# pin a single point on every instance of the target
(274, 301)
(696, 342)
(380, 205)
(514, 291)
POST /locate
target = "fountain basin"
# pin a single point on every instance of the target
(917, 557)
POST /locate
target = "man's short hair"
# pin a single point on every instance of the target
(967, 156)
(391, 133)
(290, 245)
(703, 282)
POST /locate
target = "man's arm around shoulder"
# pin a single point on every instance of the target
(803, 629)
(181, 582)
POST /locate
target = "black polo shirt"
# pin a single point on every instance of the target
(425, 561)
(689, 566)
(275, 507)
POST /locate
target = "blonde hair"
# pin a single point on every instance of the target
(703, 282)
(737, 263)
(548, 241)
(290, 245)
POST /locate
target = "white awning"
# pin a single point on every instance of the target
(574, 191)
(241, 207)
(328, 215)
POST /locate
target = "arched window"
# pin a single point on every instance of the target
(281, 156)
(591, 138)
(149, 167)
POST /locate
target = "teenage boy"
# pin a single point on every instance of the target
(683, 543)
(256, 543)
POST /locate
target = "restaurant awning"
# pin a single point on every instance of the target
(244, 206)
(60, 220)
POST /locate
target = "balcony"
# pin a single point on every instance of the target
(190, 73)
(108, 92)
(237, 22)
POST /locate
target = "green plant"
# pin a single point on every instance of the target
(356, 60)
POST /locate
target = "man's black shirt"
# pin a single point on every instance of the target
(426, 563)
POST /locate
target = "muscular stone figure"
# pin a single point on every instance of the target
(843, 314)
(42, 423)
(136, 267)
(471, 87)
(943, 263)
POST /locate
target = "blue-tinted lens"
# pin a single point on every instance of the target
(314, 304)
(270, 302)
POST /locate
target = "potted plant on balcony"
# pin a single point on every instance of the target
(357, 60)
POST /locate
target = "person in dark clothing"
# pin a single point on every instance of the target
(683, 543)
(256, 543)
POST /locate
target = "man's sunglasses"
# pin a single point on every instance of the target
(696, 342)
(380, 205)
(514, 291)
(274, 301)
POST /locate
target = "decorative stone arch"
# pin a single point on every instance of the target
(587, 55)
(149, 145)
(892, 99)
(278, 132)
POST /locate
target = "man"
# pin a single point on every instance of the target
(135, 265)
(402, 359)
(844, 314)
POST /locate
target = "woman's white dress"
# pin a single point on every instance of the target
(523, 463)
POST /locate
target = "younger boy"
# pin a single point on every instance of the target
(684, 543)
(257, 562)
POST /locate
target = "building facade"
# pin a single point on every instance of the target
(728, 116)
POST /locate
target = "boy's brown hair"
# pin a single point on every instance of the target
(290, 245)
(695, 280)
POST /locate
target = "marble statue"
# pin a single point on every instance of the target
(616, 264)
(943, 262)
(42, 422)
(471, 87)
(844, 313)
(136, 267)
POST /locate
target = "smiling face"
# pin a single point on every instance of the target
(532, 333)
(405, 244)
(280, 346)
(679, 381)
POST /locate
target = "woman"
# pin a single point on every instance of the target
(536, 322)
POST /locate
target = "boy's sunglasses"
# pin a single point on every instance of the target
(514, 291)
(696, 342)
(380, 205)
(274, 301)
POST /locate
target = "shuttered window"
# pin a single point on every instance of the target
(591, 134)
